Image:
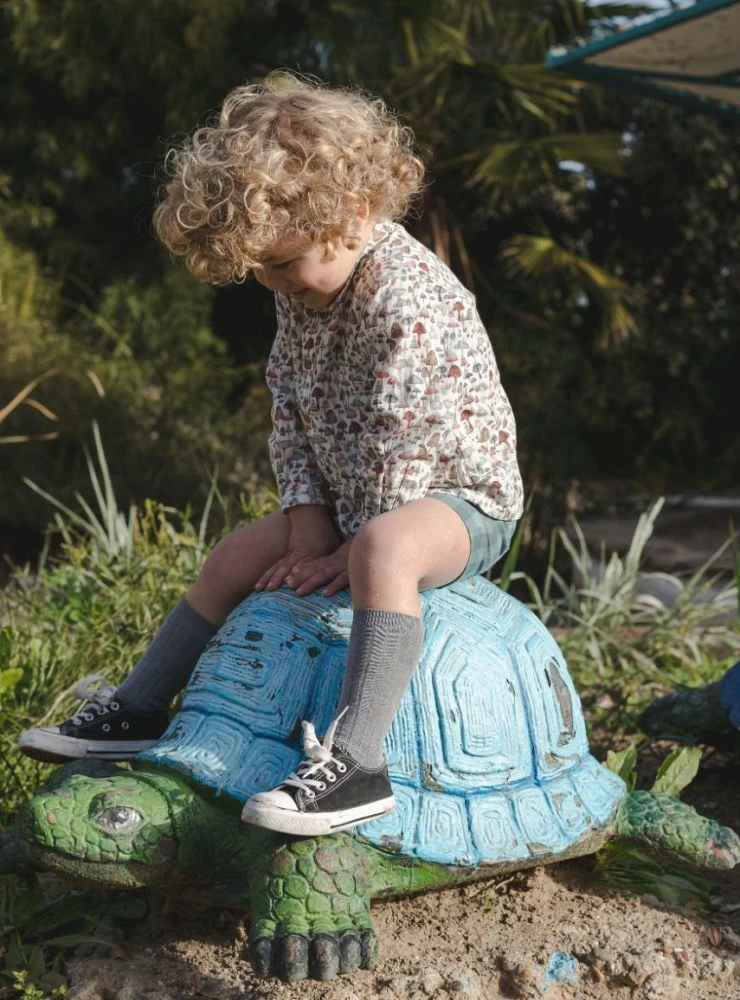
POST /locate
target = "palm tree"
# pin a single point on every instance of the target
(470, 77)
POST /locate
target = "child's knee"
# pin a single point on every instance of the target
(380, 546)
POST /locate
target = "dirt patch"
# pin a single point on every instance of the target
(488, 941)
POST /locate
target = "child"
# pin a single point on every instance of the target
(393, 442)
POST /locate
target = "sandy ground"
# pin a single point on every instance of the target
(485, 942)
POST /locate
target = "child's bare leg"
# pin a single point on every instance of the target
(227, 577)
(418, 546)
(236, 564)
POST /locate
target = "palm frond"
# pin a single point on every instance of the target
(508, 166)
(542, 256)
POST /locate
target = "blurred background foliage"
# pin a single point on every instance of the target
(599, 232)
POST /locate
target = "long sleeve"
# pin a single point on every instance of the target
(298, 477)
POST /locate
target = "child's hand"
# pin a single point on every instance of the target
(332, 570)
(312, 536)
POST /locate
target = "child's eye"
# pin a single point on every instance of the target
(283, 265)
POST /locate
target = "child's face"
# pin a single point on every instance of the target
(307, 272)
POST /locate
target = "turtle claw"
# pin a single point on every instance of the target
(325, 956)
(261, 956)
(350, 952)
(368, 949)
(293, 957)
(286, 957)
(292, 953)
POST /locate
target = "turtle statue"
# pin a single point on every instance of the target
(708, 714)
(487, 754)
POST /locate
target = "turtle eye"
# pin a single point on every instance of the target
(118, 819)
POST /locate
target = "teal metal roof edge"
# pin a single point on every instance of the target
(581, 52)
(644, 87)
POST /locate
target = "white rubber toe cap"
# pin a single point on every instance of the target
(274, 799)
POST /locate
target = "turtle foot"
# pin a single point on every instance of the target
(310, 909)
(292, 957)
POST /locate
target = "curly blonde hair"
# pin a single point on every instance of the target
(286, 160)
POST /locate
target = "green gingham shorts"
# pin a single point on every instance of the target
(490, 539)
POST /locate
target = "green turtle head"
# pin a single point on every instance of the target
(115, 831)
(674, 829)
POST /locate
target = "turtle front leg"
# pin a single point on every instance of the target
(310, 909)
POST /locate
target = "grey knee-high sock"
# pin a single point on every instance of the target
(167, 663)
(384, 649)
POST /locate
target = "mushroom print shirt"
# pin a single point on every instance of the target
(391, 393)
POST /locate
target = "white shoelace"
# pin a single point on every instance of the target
(311, 775)
(97, 695)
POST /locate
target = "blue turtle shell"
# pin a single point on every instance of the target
(729, 693)
(487, 754)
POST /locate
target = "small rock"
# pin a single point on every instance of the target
(602, 954)
(399, 985)
(431, 981)
(661, 987)
(462, 982)
(731, 938)
(596, 974)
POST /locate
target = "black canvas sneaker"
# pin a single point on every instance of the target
(326, 793)
(104, 729)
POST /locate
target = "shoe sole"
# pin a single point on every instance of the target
(58, 749)
(314, 824)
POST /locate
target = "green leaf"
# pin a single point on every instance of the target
(15, 956)
(73, 940)
(36, 963)
(9, 678)
(677, 771)
(623, 763)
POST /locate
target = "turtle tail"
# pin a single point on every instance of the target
(668, 827)
(694, 715)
